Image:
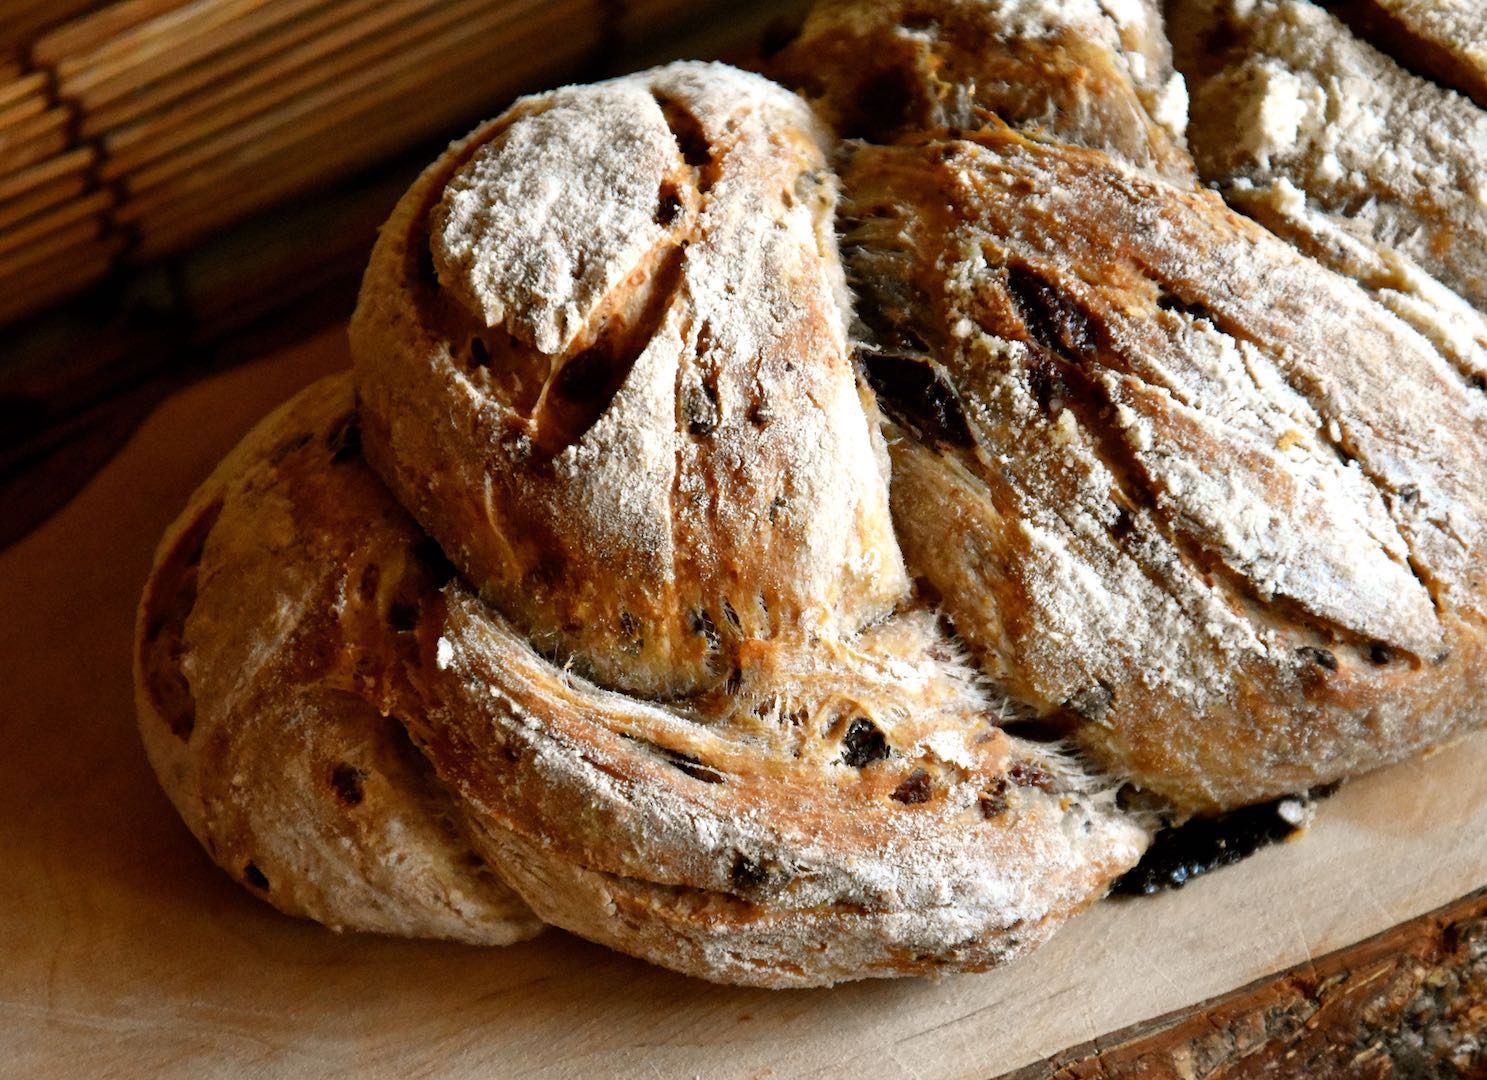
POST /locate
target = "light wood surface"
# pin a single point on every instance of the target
(126, 953)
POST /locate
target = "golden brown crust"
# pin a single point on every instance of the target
(616, 434)
(1307, 610)
(855, 800)
(719, 937)
(1211, 511)
(789, 754)
(1089, 73)
(257, 661)
(840, 810)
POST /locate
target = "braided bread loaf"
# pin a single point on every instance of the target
(609, 597)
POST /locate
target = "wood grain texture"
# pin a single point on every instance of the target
(129, 954)
(1411, 1001)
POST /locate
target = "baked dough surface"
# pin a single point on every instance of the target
(803, 538)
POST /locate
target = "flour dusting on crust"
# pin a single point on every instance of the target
(774, 539)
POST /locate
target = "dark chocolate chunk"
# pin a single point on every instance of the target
(915, 788)
(587, 377)
(1051, 318)
(747, 874)
(1045, 380)
(1324, 658)
(863, 743)
(1031, 774)
(346, 781)
(1204, 844)
(996, 799)
(915, 394)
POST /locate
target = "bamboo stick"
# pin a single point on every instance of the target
(25, 19)
(387, 82)
(52, 170)
(167, 41)
(367, 130)
(319, 62)
(194, 113)
(32, 139)
(21, 110)
(21, 88)
(93, 31)
(24, 290)
(54, 254)
(221, 73)
(30, 203)
(196, 214)
(38, 233)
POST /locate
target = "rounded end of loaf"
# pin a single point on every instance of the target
(256, 699)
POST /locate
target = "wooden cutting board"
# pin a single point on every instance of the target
(126, 953)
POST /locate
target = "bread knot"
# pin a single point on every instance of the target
(601, 593)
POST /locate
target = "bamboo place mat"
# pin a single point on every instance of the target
(133, 129)
(128, 954)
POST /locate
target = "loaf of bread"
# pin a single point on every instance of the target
(803, 537)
